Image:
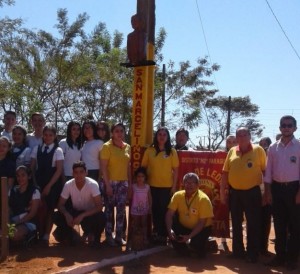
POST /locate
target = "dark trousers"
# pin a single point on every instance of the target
(286, 216)
(266, 216)
(198, 242)
(160, 200)
(246, 202)
(93, 224)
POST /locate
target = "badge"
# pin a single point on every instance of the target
(249, 163)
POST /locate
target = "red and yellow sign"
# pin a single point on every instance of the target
(208, 166)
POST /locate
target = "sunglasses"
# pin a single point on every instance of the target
(286, 125)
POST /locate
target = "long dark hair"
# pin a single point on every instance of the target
(168, 145)
(94, 127)
(28, 172)
(106, 129)
(69, 137)
(24, 131)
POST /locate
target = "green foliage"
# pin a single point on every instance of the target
(11, 230)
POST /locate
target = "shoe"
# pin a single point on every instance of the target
(223, 247)
(110, 241)
(120, 242)
(275, 262)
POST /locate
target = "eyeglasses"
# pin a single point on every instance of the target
(286, 125)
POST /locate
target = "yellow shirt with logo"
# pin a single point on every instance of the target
(118, 159)
(160, 167)
(191, 211)
(245, 171)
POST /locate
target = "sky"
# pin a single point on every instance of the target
(243, 37)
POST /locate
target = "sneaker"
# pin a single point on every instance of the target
(110, 241)
(120, 242)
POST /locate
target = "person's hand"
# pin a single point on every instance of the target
(46, 190)
(172, 235)
(69, 220)
(109, 190)
(224, 199)
(267, 198)
(77, 220)
(183, 238)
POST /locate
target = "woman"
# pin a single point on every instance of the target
(115, 165)
(24, 199)
(103, 131)
(20, 150)
(162, 163)
(91, 149)
(71, 148)
(47, 161)
(7, 165)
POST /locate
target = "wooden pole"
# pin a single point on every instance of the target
(4, 219)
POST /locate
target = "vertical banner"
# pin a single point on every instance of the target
(208, 166)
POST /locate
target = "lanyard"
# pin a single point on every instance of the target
(188, 205)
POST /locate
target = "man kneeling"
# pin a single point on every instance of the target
(189, 217)
(83, 208)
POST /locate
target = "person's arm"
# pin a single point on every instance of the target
(104, 168)
(57, 174)
(197, 229)
(175, 180)
(169, 222)
(129, 180)
(62, 209)
(223, 187)
(34, 206)
(97, 208)
(150, 200)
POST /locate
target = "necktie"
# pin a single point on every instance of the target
(45, 150)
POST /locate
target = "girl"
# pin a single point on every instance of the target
(162, 163)
(7, 165)
(91, 149)
(47, 162)
(140, 207)
(115, 165)
(103, 131)
(20, 150)
(24, 199)
(71, 148)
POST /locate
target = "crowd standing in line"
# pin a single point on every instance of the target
(94, 162)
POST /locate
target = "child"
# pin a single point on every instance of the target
(47, 162)
(140, 208)
(7, 165)
(37, 121)
(20, 151)
(9, 121)
(24, 199)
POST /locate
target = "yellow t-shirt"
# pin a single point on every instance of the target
(160, 167)
(245, 171)
(192, 210)
(118, 159)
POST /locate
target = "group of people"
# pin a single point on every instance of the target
(91, 168)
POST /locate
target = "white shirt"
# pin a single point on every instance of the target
(57, 156)
(7, 134)
(24, 158)
(90, 154)
(33, 141)
(71, 156)
(81, 199)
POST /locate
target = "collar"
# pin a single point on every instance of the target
(49, 147)
(249, 148)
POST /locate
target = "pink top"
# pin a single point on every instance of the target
(140, 202)
(283, 162)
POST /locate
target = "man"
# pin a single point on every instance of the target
(243, 172)
(181, 137)
(37, 121)
(189, 217)
(85, 208)
(9, 121)
(282, 189)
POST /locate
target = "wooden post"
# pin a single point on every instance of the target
(4, 219)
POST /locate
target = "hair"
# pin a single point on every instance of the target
(288, 117)
(117, 125)
(106, 129)
(37, 114)
(191, 175)
(51, 128)
(185, 131)
(28, 172)
(267, 140)
(243, 128)
(24, 131)
(142, 170)
(9, 145)
(79, 164)
(94, 127)
(69, 137)
(10, 112)
(168, 145)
